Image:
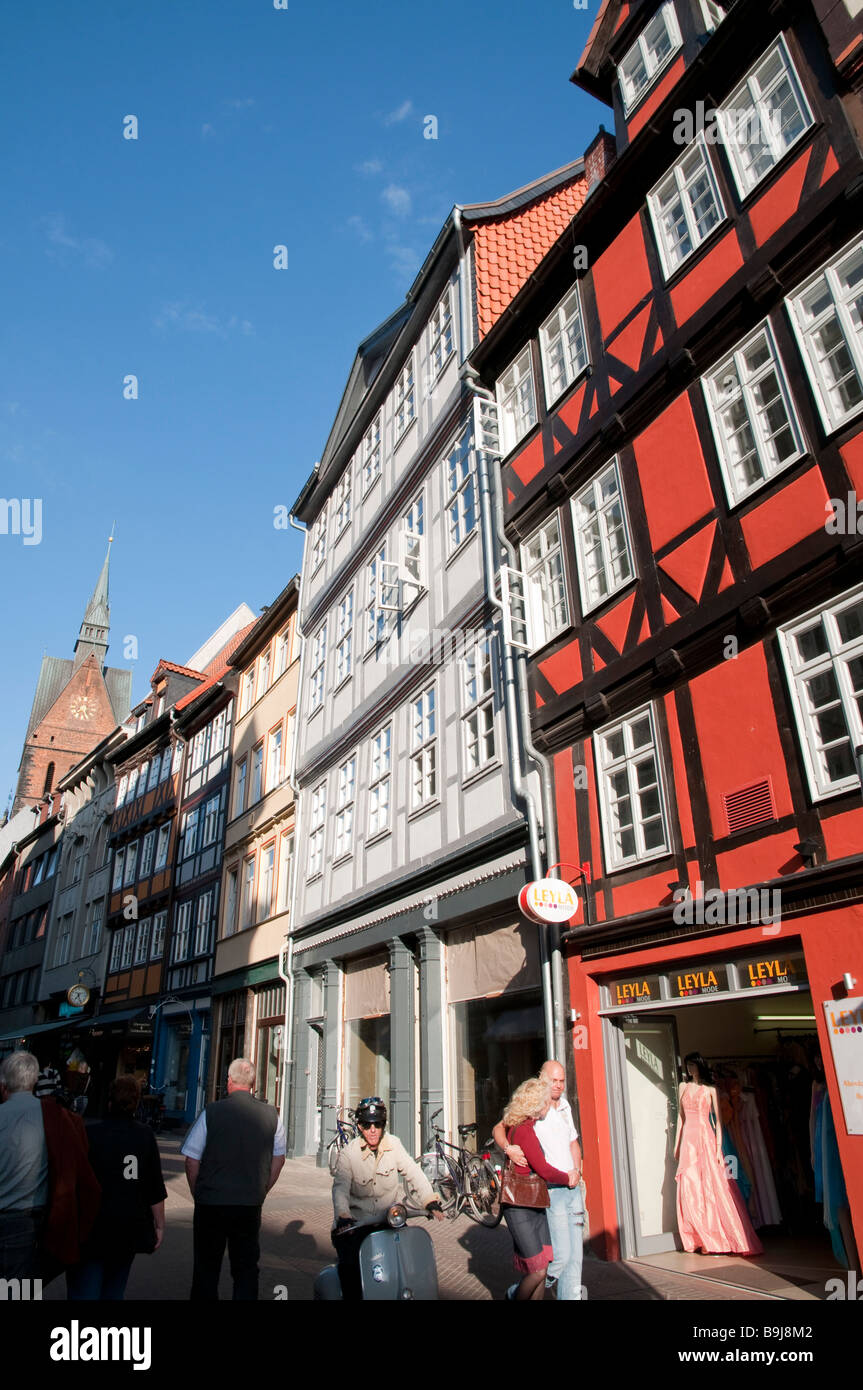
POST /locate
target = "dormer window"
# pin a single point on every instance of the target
(647, 57)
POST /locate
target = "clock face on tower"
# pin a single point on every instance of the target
(83, 707)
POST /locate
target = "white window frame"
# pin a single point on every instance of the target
(382, 598)
(733, 369)
(203, 924)
(248, 892)
(282, 652)
(142, 942)
(148, 849)
(833, 413)
(539, 574)
(629, 763)
(681, 182)
(165, 770)
(478, 696)
(593, 489)
(129, 872)
(129, 933)
(162, 845)
(461, 503)
(346, 784)
(319, 540)
(732, 109)
(404, 400)
(317, 669)
(116, 950)
(563, 333)
(342, 501)
(713, 14)
(652, 67)
(515, 421)
(265, 667)
(247, 691)
(275, 749)
(345, 638)
(380, 781)
(182, 932)
(93, 934)
(155, 766)
(209, 821)
(256, 781)
(241, 777)
(424, 770)
(189, 836)
(441, 335)
(412, 558)
(371, 450)
(117, 872)
(157, 937)
(121, 789)
(286, 872)
(229, 925)
(266, 881)
(798, 671)
(317, 831)
(132, 792)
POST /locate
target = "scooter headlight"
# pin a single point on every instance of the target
(397, 1216)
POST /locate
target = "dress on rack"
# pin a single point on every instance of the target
(829, 1179)
(711, 1213)
(765, 1204)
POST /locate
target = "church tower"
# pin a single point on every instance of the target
(78, 701)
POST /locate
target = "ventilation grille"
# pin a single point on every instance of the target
(749, 806)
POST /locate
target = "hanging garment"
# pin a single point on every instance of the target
(829, 1179)
(711, 1213)
(764, 1203)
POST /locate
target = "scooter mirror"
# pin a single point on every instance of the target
(397, 1216)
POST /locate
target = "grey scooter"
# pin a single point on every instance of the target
(395, 1265)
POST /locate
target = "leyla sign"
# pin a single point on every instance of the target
(549, 900)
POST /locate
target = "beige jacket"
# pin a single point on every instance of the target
(368, 1181)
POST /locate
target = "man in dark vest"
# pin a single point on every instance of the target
(234, 1153)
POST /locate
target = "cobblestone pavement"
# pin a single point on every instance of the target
(473, 1262)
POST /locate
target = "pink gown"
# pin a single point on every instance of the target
(711, 1213)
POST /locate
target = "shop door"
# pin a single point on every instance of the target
(649, 1061)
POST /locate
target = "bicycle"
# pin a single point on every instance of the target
(464, 1181)
(346, 1130)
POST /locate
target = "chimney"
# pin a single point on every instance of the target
(599, 157)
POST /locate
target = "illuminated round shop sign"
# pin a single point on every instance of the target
(549, 900)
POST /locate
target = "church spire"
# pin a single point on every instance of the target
(93, 637)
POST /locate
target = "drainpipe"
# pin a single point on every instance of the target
(286, 955)
(519, 785)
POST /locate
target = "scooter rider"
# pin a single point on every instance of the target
(366, 1184)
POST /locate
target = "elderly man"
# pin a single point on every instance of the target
(23, 1167)
(234, 1153)
(559, 1139)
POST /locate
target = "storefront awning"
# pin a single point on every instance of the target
(36, 1028)
(105, 1020)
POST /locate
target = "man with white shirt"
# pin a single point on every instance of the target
(559, 1139)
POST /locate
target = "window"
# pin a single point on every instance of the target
(460, 493)
(266, 868)
(116, 947)
(274, 759)
(713, 14)
(128, 947)
(133, 785)
(264, 673)
(142, 942)
(286, 862)
(344, 637)
(147, 850)
(685, 207)
(230, 925)
(117, 878)
(218, 733)
(631, 797)
(198, 745)
(248, 904)
(190, 833)
(478, 706)
(405, 399)
(121, 789)
(281, 653)
(93, 934)
(182, 925)
(516, 401)
(824, 658)
(240, 788)
(563, 346)
(383, 598)
(210, 824)
(203, 923)
(162, 845)
(752, 414)
(64, 939)
(319, 540)
(140, 721)
(423, 750)
(345, 808)
(601, 538)
(155, 766)
(380, 759)
(160, 706)
(648, 56)
(166, 765)
(131, 863)
(143, 773)
(157, 944)
(412, 548)
(440, 334)
(827, 314)
(763, 118)
(177, 761)
(343, 500)
(542, 562)
(247, 685)
(371, 453)
(317, 825)
(257, 773)
(316, 675)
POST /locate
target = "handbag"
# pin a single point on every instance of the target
(523, 1189)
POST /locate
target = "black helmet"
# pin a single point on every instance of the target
(371, 1111)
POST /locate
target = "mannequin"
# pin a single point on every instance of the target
(711, 1214)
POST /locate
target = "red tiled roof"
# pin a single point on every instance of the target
(217, 668)
(507, 249)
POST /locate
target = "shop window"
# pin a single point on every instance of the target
(367, 1029)
(497, 1044)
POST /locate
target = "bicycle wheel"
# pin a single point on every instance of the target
(483, 1192)
(334, 1153)
(446, 1191)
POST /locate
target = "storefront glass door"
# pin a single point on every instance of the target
(368, 1058)
(649, 1052)
(497, 1044)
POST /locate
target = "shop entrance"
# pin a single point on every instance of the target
(779, 1140)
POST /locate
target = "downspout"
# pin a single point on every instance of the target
(520, 787)
(286, 957)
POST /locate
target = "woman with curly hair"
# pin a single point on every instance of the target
(528, 1226)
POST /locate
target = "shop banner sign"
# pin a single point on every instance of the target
(845, 1030)
(549, 900)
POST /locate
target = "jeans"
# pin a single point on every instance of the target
(99, 1280)
(212, 1227)
(19, 1233)
(566, 1224)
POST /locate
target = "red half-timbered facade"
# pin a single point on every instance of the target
(680, 392)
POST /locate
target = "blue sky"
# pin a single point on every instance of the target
(154, 257)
